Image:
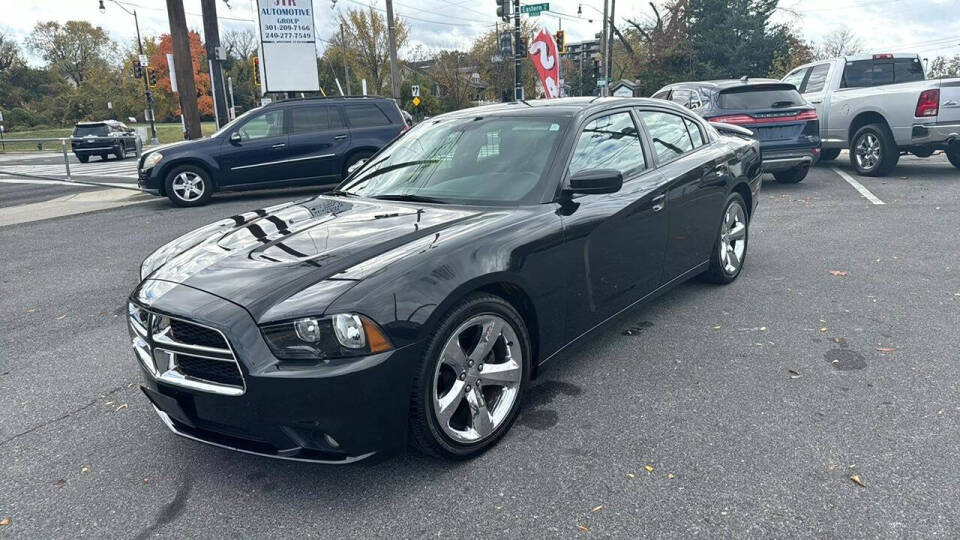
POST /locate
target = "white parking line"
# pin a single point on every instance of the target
(858, 186)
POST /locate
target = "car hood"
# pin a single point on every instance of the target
(261, 258)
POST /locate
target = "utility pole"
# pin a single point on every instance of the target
(603, 48)
(211, 31)
(183, 64)
(518, 76)
(613, 5)
(346, 70)
(393, 52)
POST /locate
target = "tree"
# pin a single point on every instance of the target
(369, 49)
(9, 54)
(794, 51)
(732, 38)
(944, 68)
(662, 47)
(75, 49)
(239, 44)
(201, 76)
(840, 42)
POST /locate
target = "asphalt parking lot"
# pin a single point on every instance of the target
(737, 411)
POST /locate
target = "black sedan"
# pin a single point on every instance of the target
(416, 302)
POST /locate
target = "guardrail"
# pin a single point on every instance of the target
(65, 144)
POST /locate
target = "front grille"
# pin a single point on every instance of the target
(196, 335)
(184, 353)
(216, 371)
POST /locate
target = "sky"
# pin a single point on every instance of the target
(930, 27)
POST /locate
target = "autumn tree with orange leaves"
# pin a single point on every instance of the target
(201, 73)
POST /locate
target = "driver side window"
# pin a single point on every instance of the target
(268, 124)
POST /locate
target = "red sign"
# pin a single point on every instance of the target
(543, 51)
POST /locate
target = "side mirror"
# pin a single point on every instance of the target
(235, 137)
(595, 181)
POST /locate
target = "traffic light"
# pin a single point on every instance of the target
(151, 77)
(137, 70)
(256, 70)
(561, 42)
(522, 47)
(503, 9)
(506, 44)
(596, 68)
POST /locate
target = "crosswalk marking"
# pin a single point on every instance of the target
(119, 169)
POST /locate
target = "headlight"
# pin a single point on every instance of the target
(323, 338)
(152, 159)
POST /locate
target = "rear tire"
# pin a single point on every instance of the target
(104, 157)
(121, 152)
(953, 155)
(829, 154)
(188, 185)
(792, 176)
(83, 158)
(873, 151)
(730, 247)
(446, 407)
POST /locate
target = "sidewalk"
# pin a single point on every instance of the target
(69, 205)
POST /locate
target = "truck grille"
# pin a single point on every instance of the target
(183, 353)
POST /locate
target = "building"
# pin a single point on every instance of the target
(588, 49)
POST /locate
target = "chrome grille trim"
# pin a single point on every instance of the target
(157, 351)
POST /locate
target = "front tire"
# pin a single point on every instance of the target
(471, 380)
(829, 154)
(873, 151)
(83, 158)
(730, 246)
(792, 176)
(188, 185)
(121, 152)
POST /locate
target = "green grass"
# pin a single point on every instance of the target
(166, 133)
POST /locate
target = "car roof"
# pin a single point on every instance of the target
(723, 84)
(563, 107)
(328, 99)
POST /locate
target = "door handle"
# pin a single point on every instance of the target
(280, 145)
(816, 101)
(340, 137)
(658, 202)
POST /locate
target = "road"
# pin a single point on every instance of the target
(737, 411)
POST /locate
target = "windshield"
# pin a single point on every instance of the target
(230, 126)
(97, 130)
(497, 160)
(760, 97)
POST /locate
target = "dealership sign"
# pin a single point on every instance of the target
(288, 51)
(543, 52)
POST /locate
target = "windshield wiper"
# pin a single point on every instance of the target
(780, 104)
(393, 167)
(340, 193)
(408, 197)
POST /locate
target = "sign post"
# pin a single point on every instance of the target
(288, 50)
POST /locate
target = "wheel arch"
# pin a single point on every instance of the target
(865, 118)
(744, 190)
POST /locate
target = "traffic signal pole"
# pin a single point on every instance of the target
(146, 86)
(518, 76)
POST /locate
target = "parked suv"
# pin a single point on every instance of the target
(288, 143)
(786, 126)
(102, 139)
(880, 106)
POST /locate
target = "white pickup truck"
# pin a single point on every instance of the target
(880, 106)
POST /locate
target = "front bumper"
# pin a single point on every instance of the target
(320, 412)
(149, 180)
(781, 160)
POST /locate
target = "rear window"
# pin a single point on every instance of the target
(314, 118)
(366, 115)
(867, 73)
(97, 130)
(759, 97)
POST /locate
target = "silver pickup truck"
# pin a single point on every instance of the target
(880, 106)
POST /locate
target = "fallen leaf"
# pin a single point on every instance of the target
(31, 310)
(110, 402)
(793, 373)
(856, 480)
(717, 327)
(582, 528)
(648, 468)
(823, 328)
(85, 470)
(940, 412)
(120, 408)
(763, 328)
(838, 272)
(886, 349)
(631, 475)
(60, 318)
(836, 340)
(671, 476)
(723, 513)
(4, 522)
(597, 508)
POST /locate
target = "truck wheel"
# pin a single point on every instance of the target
(953, 154)
(83, 158)
(873, 151)
(829, 154)
(121, 152)
(792, 176)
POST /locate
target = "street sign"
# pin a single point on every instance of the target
(534, 9)
(416, 101)
(601, 82)
(415, 90)
(143, 59)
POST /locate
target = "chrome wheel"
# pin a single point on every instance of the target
(733, 238)
(188, 186)
(867, 151)
(477, 380)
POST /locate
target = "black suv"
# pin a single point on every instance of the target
(102, 139)
(294, 142)
(785, 124)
